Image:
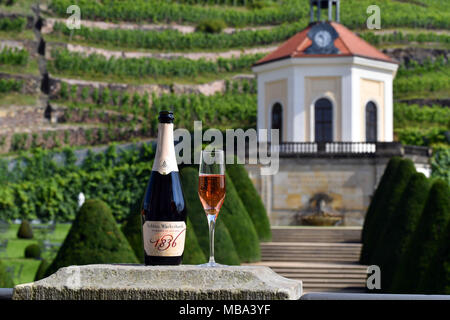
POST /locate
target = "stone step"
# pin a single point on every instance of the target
(327, 287)
(323, 245)
(312, 256)
(323, 272)
(309, 259)
(317, 234)
(310, 265)
(309, 251)
(325, 259)
(347, 282)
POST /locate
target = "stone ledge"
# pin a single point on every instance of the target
(137, 282)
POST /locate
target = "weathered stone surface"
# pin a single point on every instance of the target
(137, 282)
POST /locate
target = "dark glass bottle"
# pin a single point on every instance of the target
(164, 209)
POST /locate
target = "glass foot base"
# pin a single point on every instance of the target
(211, 264)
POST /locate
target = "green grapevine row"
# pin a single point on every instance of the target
(8, 85)
(78, 64)
(14, 56)
(353, 13)
(175, 40)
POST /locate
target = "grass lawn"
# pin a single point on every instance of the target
(14, 255)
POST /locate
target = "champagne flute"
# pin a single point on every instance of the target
(211, 190)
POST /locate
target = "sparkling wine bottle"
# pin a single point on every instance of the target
(164, 209)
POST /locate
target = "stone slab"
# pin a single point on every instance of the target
(138, 282)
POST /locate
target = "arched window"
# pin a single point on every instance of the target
(277, 118)
(371, 122)
(323, 120)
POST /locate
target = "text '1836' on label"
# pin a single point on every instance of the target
(164, 238)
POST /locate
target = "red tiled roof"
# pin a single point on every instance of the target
(348, 44)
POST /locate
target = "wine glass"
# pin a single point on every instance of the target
(211, 190)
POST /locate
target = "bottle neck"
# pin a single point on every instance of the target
(165, 159)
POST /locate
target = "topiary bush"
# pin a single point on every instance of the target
(5, 279)
(404, 221)
(132, 230)
(387, 205)
(225, 251)
(239, 224)
(93, 238)
(380, 193)
(25, 231)
(33, 251)
(40, 273)
(436, 279)
(193, 254)
(251, 200)
(425, 241)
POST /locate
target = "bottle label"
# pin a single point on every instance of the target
(164, 238)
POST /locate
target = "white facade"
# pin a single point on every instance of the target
(348, 82)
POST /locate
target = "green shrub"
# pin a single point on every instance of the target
(25, 231)
(10, 85)
(12, 24)
(40, 273)
(440, 163)
(32, 251)
(400, 228)
(425, 241)
(132, 229)
(93, 238)
(381, 193)
(225, 251)
(251, 200)
(240, 225)
(211, 26)
(14, 56)
(193, 253)
(436, 279)
(387, 206)
(5, 279)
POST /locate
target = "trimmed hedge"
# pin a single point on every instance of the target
(225, 251)
(425, 241)
(387, 207)
(40, 273)
(5, 278)
(251, 200)
(404, 221)
(437, 276)
(240, 225)
(25, 231)
(32, 251)
(132, 229)
(93, 238)
(193, 253)
(381, 192)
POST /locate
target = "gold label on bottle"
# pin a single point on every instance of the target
(165, 160)
(164, 238)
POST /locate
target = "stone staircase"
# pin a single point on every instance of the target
(324, 258)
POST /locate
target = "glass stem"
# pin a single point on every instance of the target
(212, 224)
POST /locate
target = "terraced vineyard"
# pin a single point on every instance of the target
(107, 81)
(131, 58)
